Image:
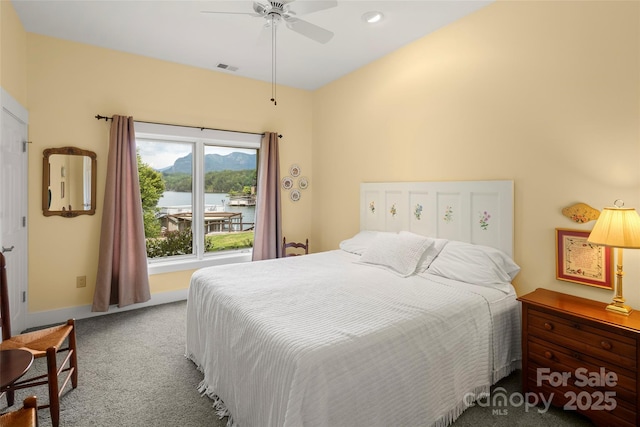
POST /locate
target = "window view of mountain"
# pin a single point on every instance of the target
(214, 163)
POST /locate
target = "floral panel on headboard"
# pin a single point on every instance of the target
(479, 212)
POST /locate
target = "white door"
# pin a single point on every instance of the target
(13, 205)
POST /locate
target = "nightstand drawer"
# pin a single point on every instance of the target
(582, 369)
(585, 400)
(605, 345)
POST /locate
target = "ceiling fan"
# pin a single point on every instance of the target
(276, 12)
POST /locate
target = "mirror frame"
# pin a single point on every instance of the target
(72, 151)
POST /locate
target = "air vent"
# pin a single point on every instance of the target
(227, 67)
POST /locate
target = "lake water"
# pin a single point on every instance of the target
(176, 198)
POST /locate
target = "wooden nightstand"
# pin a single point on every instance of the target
(581, 356)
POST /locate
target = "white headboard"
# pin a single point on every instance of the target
(479, 212)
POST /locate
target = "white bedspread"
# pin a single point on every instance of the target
(318, 340)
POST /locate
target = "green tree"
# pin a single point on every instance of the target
(177, 182)
(228, 181)
(151, 189)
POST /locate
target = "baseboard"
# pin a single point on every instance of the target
(42, 318)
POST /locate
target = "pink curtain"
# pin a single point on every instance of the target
(268, 222)
(122, 265)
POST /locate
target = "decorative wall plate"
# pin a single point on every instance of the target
(303, 183)
(287, 183)
(581, 213)
(294, 170)
(295, 195)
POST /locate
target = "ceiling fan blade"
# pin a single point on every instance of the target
(308, 29)
(230, 13)
(259, 8)
(304, 7)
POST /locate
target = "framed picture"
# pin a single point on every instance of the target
(582, 262)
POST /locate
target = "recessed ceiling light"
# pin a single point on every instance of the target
(372, 17)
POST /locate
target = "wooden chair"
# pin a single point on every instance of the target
(27, 416)
(42, 343)
(294, 245)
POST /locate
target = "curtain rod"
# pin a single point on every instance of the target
(106, 119)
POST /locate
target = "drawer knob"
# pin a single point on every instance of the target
(548, 326)
(606, 345)
(548, 355)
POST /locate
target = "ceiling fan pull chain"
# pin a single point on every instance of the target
(273, 61)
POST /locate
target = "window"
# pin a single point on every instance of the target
(198, 190)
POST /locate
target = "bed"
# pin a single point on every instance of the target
(387, 330)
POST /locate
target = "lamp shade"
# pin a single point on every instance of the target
(617, 227)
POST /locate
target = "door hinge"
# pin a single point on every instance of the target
(24, 221)
(24, 296)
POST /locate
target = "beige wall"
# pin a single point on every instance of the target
(69, 83)
(543, 93)
(13, 53)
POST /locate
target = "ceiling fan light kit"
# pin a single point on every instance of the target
(276, 11)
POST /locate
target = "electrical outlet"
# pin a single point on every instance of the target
(81, 282)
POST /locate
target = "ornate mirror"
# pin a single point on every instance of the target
(68, 182)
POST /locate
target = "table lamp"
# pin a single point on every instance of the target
(617, 227)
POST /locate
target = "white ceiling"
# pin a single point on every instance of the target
(178, 31)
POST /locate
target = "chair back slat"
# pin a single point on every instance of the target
(295, 245)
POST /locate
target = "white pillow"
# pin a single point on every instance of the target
(398, 253)
(476, 264)
(430, 254)
(360, 242)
